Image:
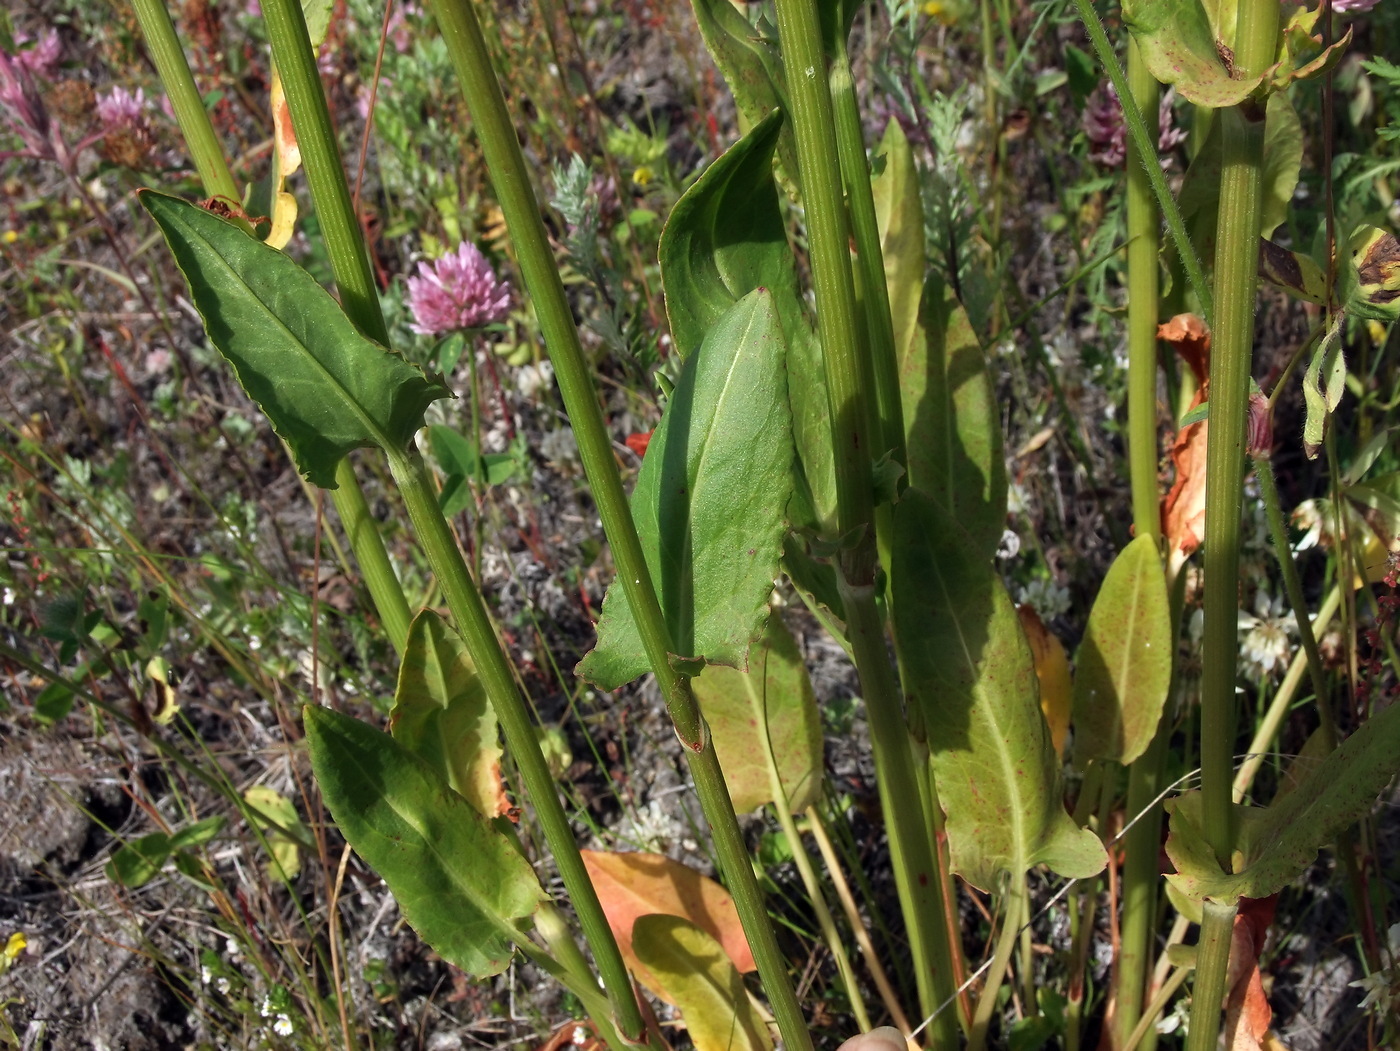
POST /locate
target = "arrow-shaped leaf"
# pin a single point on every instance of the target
(970, 669)
(325, 387)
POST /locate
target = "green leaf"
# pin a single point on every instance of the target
(701, 980)
(899, 214)
(326, 388)
(1123, 670)
(318, 19)
(1276, 844)
(951, 419)
(765, 724)
(1323, 386)
(441, 713)
(709, 501)
(136, 863)
(752, 67)
(55, 701)
(970, 670)
(1179, 44)
(461, 884)
(198, 834)
(724, 238)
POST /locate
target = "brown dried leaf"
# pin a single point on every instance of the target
(1247, 1011)
(1184, 509)
(1052, 671)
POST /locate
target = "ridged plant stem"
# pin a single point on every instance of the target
(1140, 877)
(509, 176)
(286, 28)
(1236, 285)
(853, 400)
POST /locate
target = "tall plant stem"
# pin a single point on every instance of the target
(869, 257)
(1146, 146)
(472, 620)
(1236, 284)
(465, 46)
(851, 393)
(1140, 878)
(324, 172)
(1014, 911)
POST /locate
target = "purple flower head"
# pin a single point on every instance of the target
(22, 108)
(122, 109)
(1353, 7)
(1107, 131)
(42, 57)
(459, 291)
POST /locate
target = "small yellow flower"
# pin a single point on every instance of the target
(643, 175)
(1377, 331)
(10, 236)
(16, 945)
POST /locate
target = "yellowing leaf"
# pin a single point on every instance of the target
(765, 723)
(275, 815)
(1052, 671)
(442, 714)
(284, 136)
(692, 971)
(167, 704)
(284, 220)
(634, 885)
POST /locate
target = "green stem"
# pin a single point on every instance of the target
(326, 176)
(869, 257)
(1146, 146)
(511, 179)
(1154, 1009)
(1014, 907)
(1144, 221)
(851, 394)
(469, 612)
(1139, 885)
(1236, 283)
(1212, 965)
(190, 114)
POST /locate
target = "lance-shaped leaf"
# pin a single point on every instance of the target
(765, 724)
(692, 972)
(441, 713)
(1124, 667)
(709, 501)
(461, 884)
(951, 420)
(637, 884)
(1324, 383)
(325, 388)
(1179, 44)
(899, 213)
(971, 672)
(1276, 844)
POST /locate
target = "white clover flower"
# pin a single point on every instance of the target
(283, 1026)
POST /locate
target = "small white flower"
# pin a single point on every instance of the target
(266, 1009)
(232, 949)
(9, 596)
(580, 1036)
(283, 1026)
(205, 977)
(222, 985)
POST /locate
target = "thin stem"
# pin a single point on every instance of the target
(1293, 587)
(1014, 905)
(869, 257)
(461, 33)
(1144, 222)
(469, 613)
(1146, 145)
(1155, 1008)
(853, 917)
